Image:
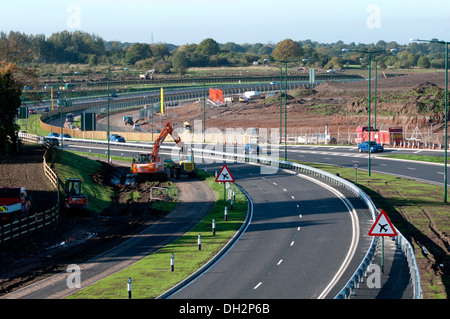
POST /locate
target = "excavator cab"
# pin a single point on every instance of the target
(74, 199)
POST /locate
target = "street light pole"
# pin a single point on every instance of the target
(370, 92)
(108, 133)
(446, 106)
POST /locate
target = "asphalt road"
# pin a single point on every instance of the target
(303, 242)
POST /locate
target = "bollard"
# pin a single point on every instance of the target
(226, 213)
(129, 288)
(214, 227)
(199, 242)
(231, 207)
(172, 263)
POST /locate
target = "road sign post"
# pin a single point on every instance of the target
(356, 166)
(225, 177)
(382, 227)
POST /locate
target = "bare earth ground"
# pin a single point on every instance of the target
(78, 238)
(330, 104)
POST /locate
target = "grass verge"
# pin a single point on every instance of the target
(152, 275)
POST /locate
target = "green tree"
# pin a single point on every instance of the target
(137, 52)
(287, 50)
(423, 62)
(180, 62)
(208, 47)
(10, 92)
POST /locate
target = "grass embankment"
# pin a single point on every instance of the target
(152, 275)
(419, 212)
(70, 165)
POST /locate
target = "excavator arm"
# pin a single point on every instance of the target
(168, 129)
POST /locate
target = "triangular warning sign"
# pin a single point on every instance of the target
(225, 176)
(383, 226)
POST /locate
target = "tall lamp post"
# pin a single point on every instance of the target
(446, 103)
(370, 53)
(285, 103)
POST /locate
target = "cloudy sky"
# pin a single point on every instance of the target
(240, 21)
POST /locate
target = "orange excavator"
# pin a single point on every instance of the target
(149, 166)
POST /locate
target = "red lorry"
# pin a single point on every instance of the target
(14, 203)
(393, 136)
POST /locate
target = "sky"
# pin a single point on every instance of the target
(241, 21)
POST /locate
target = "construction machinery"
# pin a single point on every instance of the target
(14, 203)
(184, 166)
(150, 166)
(149, 75)
(74, 199)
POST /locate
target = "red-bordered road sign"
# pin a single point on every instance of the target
(383, 226)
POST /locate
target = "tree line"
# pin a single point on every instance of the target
(84, 48)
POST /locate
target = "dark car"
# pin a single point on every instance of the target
(374, 147)
(46, 109)
(251, 149)
(116, 138)
(50, 141)
(66, 136)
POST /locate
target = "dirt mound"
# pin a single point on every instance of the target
(329, 86)
(424, 87)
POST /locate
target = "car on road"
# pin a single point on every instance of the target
(46, 109)
(32, 111)
(251, 149)
(50, 141)
(53, 134)
(116, 138)
(66, 136)
(374, 147)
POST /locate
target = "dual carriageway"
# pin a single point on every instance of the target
(307, 236)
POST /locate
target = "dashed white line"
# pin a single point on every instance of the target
(256, 287)
(275, 184)
(298, 228)
(293, 197)
(292, 243)
(279, 263)
(285, 189)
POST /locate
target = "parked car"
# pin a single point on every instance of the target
(46, 109)
(251, 149)
(66, 136)
(374, 147)
(32, 111)
(116, 138)
(53, 135)
(50, 141)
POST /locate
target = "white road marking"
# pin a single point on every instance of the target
(256, 287)
(292, 243)
(279, 263)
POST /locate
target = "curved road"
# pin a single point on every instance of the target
(304, 242)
